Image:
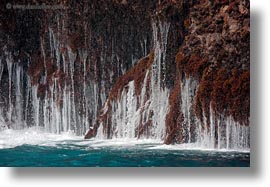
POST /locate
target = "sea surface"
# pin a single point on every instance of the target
(34, 148)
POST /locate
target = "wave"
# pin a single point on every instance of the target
(10, 138)
(195, 146)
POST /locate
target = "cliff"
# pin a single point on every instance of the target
(209, 98)
(172, 70)
(215, 54)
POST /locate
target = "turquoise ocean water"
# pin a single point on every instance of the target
(31, 148)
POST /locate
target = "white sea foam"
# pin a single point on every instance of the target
(37, 136)
(33, 136)
(10, 138)
(125, 142)
(195, 146)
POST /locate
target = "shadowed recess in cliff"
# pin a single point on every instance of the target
(62, 82)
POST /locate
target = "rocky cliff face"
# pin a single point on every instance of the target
(176, 71)
(212, 76)
(67, 59)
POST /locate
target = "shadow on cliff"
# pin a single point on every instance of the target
(210, 173)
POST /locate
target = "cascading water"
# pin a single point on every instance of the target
(125, 84)
(144, 115)
(225, 133)
(131, 113)
(57, 108)
(159, 93)
(9, 62)
(19, 97)
(188, 93)
(49, 103)
(222, 132)
(125, 116)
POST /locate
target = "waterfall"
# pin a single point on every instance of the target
(51, 102)
(64, 97)
(83, 55)
(19, 97)
(160, 34)
(72, 57)
(159, 93)
(35, 103)
(131, 113)
(9, 61)
(100, 133)
(125, 116)
(222, 132)
(188, 93)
